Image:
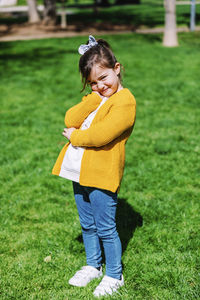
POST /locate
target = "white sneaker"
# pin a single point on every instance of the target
(85, 275)
(108, 285)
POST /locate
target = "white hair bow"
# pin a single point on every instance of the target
(83, 48)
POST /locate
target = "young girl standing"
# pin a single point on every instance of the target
(97, 129)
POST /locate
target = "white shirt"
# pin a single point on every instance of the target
(71, 165)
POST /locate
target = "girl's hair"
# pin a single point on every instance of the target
(98, 54)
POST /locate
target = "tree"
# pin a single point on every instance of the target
(49, 12)
(33, 14)
(170, 33)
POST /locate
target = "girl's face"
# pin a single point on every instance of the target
(104, 80)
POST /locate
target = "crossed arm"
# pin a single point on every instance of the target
(120, 118)
(77, 114)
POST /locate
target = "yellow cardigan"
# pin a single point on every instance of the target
(104, 141)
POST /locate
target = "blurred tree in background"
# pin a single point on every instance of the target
(49, 12)
(33, 14)
(170, 32)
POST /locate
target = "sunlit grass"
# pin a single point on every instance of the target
(158, 215)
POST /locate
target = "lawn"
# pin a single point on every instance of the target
(158, 213)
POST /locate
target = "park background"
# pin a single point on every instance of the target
(158, 213)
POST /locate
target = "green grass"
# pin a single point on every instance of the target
(158, 214)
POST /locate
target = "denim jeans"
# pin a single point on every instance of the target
(97, 210)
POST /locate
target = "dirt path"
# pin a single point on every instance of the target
(29, 32)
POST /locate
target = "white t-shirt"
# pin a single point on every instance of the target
(71, 165)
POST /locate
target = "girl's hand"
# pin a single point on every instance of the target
(67, 132)
(98, 94)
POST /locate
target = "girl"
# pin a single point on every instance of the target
(97, 129)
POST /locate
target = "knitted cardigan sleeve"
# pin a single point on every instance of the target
(75, 116)
(120, 118)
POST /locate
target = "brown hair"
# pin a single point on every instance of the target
(98, 54)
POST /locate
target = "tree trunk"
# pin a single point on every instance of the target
(33, 15)
(170, 34)
(49, 12)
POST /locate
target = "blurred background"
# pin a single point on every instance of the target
(36, 17)
(158, 44)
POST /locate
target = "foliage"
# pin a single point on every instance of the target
(159, 199)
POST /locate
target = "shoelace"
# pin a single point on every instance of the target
(83, 272)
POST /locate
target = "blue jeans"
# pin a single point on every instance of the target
(97, 210)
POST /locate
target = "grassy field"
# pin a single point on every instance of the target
(158, 213)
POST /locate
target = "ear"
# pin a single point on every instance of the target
(117, 68)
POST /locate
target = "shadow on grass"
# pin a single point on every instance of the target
(150, 15)
(37, 54)
(106, 20)
(36, 58)
(127, 220)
